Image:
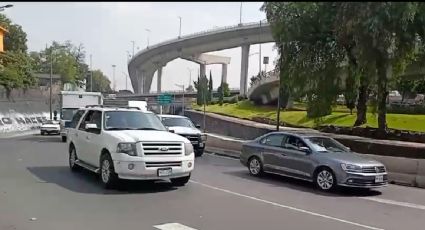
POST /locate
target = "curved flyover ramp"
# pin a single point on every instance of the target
(265, 90)
(146, 62)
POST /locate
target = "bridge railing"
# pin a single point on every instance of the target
(219, 29)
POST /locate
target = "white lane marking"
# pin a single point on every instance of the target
(219, 156)
(287, 207)
(393, 202)
(173, 226)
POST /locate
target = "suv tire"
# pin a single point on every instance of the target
(107, 172)
(72, 159)
(180, 181)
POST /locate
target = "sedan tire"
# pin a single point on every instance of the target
(325, 179)
(255, 166)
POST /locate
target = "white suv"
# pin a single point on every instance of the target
(126, 143)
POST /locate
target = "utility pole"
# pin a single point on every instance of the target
(51, 81)
(113, 76)
(126, 77)
(190, 76)
(259, 59)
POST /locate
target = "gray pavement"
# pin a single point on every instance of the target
(35, 182)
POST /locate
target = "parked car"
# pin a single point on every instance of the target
(319, 159)
(127, 143)
(183, 126)
(49, 127)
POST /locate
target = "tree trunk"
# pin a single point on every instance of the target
(383, 76)
(361, 104)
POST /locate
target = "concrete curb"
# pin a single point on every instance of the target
(18, 134)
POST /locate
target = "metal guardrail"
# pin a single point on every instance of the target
(215, 30)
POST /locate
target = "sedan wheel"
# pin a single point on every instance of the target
(325, 180)
(255, 167)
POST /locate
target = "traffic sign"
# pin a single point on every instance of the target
(164, 99)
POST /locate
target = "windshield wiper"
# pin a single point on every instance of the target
(146, 129)
(115, 128)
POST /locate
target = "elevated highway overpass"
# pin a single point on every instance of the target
(145, 63)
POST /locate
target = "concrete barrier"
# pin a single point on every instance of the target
(420, 176)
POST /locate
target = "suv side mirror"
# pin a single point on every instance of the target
(91, 127)
(169, 130)
(198, 126)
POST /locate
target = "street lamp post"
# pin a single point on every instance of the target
(240, 15)
(126, 77)
(180, 27)
(51, 78)
(113, 76)
(190, 76)
(183, 97)
(149, 31)
(91, 74)
(133, 47)
(5, 6)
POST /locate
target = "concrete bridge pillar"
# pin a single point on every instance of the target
(244, 70)
(148, 77)
(202, 70)
(159, 80)
(223, 73)
(139, 81)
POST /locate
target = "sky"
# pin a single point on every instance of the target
(106, 30)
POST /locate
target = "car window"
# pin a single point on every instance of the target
(86, 120)
(325, 144)
(132, 120)
(275, 140)
(76, 118)
(293, 142)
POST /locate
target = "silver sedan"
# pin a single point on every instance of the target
(321, 160)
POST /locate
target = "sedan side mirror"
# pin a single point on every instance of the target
(198, 126)
(305, 149)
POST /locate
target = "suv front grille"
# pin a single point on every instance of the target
(192, 138)
(162, 148)
(377, 169)
(163, 164)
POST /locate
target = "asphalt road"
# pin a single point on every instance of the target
(39, 192)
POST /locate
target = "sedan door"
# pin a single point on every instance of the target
(297, 162)
(273, 153)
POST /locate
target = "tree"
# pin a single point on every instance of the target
(386, 35)
(350, 91)
(16, 71)
(223, 91)
(190, 89)
(15, 40)
(202, 90)
(210, 89)
(101, 83)
(68, 62)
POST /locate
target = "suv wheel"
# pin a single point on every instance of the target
(325, 179)
(107, 173)
(255, 166)
(72, 159)
(199, 153)
(180, 181)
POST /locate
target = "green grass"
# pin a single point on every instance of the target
(341, 116)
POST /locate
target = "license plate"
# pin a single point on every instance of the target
(379, 179)
(165, 172)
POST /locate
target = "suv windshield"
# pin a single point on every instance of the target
(325, 144)
(177, 121)
(132, 120)
(50, 122)
(67, 114)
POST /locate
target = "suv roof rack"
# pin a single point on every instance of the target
(112, 106)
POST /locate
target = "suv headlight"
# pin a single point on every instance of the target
(127, 148)
(203, 137)
(351, 168)
(188, 149)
